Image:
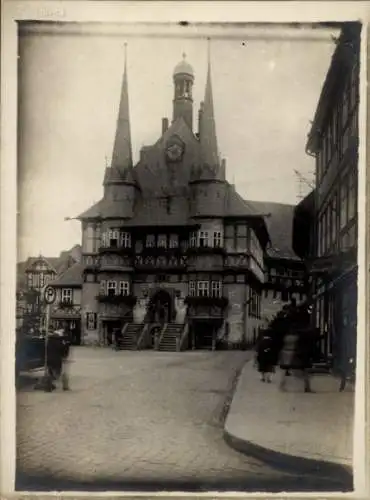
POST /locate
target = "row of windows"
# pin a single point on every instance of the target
(282, 271)
(283, 295)
(116, 238)
(206, 239)
(339, 214)
(112, 287)
(342, 125)
(205, 288)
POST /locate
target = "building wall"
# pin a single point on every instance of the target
(89, 304)
(236, 312)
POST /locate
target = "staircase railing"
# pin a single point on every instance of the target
(184, 337)
(123, 331)
(160, 336)
(142, 335)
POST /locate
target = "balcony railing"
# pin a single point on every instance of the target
(117, 298)
(163, 262)
(205, 250)
(116, 248)
(207, 300)
(66, 303)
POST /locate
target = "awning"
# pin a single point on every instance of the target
(332, 264)
(331, 284)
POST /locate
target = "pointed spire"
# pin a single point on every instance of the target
(122, 151)
(208, 137)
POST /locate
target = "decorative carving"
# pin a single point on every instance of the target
(140, 310)
(181, 310)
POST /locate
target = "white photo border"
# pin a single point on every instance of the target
(156, 15)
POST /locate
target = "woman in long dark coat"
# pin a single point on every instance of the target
(266, 356)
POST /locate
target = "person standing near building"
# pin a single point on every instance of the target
(57, 353)
(266, 355)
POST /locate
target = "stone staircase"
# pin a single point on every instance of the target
(169, 336)
(130, 337)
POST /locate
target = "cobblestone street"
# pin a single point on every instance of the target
(138, 420)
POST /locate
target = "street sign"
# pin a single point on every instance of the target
(50, 295)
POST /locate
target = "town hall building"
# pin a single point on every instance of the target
(173, 257)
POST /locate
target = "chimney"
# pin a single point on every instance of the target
(164, 125)
(200, 114)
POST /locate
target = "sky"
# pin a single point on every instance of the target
(265, 92)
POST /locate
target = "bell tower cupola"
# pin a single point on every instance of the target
(183, 78)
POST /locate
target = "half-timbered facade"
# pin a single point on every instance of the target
(171, 243)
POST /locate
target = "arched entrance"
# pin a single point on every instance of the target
(161, 307)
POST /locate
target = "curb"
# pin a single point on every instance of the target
(291, 463)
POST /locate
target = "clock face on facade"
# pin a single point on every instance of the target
(174, 150)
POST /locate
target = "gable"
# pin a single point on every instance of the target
(154, 172)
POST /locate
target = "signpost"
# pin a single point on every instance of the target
(48, 297)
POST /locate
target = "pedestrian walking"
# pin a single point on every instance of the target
(266, 356)
(298, 348)
(57, 353)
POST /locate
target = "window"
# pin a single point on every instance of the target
(113, 238)
(91, 321)
(216, 288)
(150, 241)
(203, 288)
(162, 241)
(124, 288)
(111, 287)
(102, 287)
(174, 241)
(191, 288)
(42, 280)
(217, 239)
(193, 239)
(67, 295)
(125, 240)
(203, 238)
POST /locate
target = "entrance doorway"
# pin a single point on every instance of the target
(202, 334)
(110, 327)
(161, 308)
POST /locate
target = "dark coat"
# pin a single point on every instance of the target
(266, 353)
(298, 349)
(57, 351)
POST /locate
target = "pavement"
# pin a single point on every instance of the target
(306, 432)
(142, 421)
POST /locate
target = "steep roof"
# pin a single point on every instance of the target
(71, 277)
(161, 211)
(57, 264)
(279, 226)
(236, 205)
